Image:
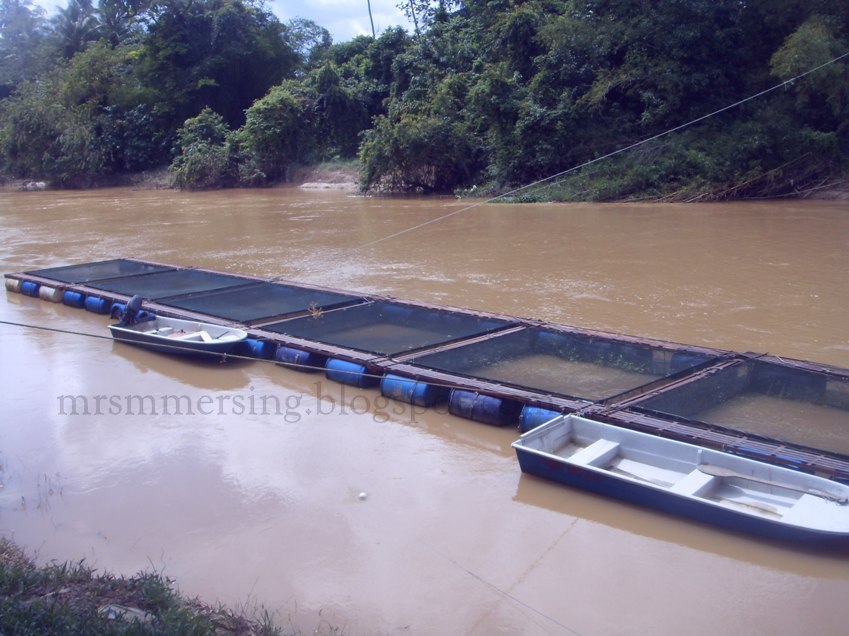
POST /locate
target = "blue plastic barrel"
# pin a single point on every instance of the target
(97, 305)
(256, 348)
(412, 391)
(483, 408)
(73, 299)
(533, 416)
(352, 373)
(29, 288)
(117, 310)
(300, 360)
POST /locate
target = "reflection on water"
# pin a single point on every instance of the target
(248, 492)
(203, 373)
(826, 561)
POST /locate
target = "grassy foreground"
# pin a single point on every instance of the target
(72, 598)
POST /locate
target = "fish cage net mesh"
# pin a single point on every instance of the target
(158, 285)
(574, 365)
(799, 406)
(260, 301)
(101, 270)
(386, 328)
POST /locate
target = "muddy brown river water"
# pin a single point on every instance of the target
(252, 495)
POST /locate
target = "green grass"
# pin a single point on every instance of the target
(73, 598)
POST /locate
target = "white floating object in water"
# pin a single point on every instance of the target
(363, 496)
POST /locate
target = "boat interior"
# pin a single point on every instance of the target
(202, 333)
(682, 473)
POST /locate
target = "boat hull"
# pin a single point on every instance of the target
(181, 337)
(599, 479)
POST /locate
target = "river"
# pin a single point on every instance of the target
(336, 509)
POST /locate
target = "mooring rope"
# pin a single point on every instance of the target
(223, 357)
(467, 208)
(607, 156)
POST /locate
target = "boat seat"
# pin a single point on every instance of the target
(693, 483)
(194, 335)
(806, 507)
(599, 453)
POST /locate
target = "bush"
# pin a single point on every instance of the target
(418, 153)
(276, 134)
(206, 160)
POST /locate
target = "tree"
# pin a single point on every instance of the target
(426, 12)
(278, 132)
(120, 20)
(309, 40)
(815, 42)
(204, 160)
(22, 31)
(218, 53)
(416, 153)
(75, 26)
(81, 122)
(340, 114)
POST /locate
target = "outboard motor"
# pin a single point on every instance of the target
(132, 312)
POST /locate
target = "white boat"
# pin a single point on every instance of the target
(681, 478)
(175, 335)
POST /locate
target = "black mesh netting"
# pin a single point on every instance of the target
(385, 327)
(87, 272)
(157, 285)
(260, 301)
(574, 365)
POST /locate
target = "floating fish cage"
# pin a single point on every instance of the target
(192, 291)
(169, 284)
(386, 328)
(571, 364)
(764, 397)
(356, 342)
(257, 302)
(490, 368)
(87, 272)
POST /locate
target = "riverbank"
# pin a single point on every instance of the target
(337, 175)
(344, 175)
(73, 598)
(332, 175)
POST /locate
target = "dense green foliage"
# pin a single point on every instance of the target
(490, 94)
(527, 90)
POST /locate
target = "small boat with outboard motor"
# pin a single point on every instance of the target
(174, 335)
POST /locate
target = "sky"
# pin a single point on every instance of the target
(345, 19)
